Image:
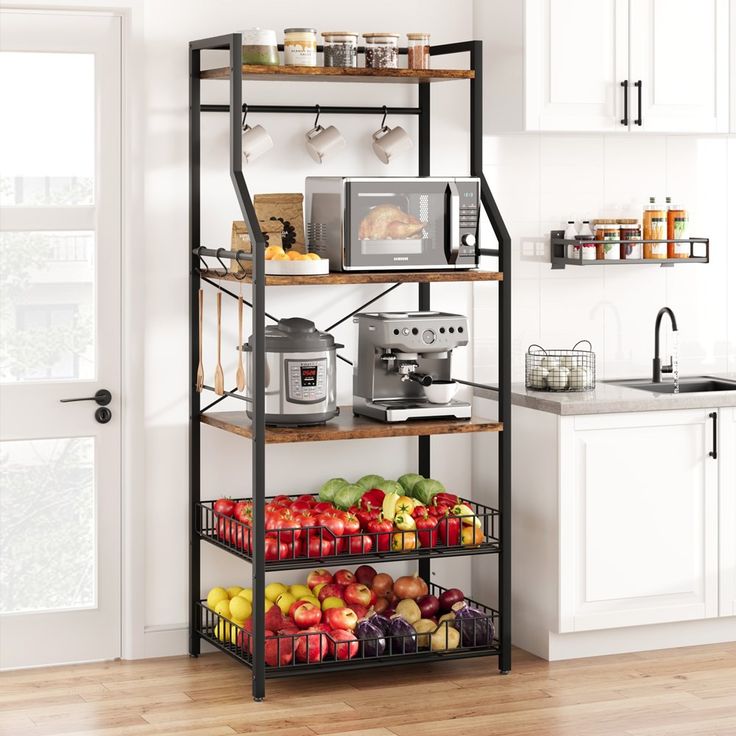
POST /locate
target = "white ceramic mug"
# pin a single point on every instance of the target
(321, 141)
(390, 142)
(256, 141)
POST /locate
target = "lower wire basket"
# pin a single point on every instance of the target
(314, 651)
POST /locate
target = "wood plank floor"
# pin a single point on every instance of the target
(681, 692)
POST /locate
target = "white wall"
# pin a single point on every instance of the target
(292, 468)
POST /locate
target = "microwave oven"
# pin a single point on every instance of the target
(393, 223)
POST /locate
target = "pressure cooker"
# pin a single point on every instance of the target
(300, 373)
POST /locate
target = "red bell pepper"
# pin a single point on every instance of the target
(372, 500)
(427, 529)
(449, 530)
(445, 498)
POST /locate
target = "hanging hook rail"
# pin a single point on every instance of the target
(309, 109)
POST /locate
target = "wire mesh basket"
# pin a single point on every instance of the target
(560, 370)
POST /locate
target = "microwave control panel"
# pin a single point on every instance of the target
(469, 214)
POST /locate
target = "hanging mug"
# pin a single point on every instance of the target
(321, 141)
(256, 141)
(390, 142)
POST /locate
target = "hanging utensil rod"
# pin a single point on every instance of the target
(327, 110)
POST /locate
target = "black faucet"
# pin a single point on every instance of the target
(657, 368)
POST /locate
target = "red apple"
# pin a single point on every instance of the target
(360, 611)
(318, 576)
(279, 650)
(344, 577)
(275, 620)
(311, 646)
(307, 615)
(296, 605)
(330, 590)
(342, 644)
(290, 630)
(323, 627)
(341, 618)
(365, 574)
(357, 593)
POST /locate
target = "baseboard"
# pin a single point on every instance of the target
(641, 638)
(169, 640)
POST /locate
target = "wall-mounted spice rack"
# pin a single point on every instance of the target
(699, 252)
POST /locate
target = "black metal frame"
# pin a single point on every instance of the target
(498, 542)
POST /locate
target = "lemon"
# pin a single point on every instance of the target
(272, 251)
(226, 632)
(234, 590)
(313, 257)
(246, 593)
(294, 255)
(274, 590)
(223, 608)
(284, 602)
(240, 608)
(281, 257)
(215, 596)
(300, 591)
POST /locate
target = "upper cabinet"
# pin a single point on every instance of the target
(606, 65)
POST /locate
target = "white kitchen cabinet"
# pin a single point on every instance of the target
(638, 520)
(679, 55)
(559, 65)
(727, 499)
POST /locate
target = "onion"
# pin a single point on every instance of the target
(410, 586)
(365, 575)
(380, 605)
(374, 644)
(382, 584)
(382, 623)
(429, 605)
(403, 636)
(450, 597)
(475, 627)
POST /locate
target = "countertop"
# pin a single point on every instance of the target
(609, 399)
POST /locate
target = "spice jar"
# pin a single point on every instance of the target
(418, 50)
(652, 211)
(340, 48)
(381, 50)
(605, 231)
(677, 230)
(630, 230)
(300, 47)
(657, 231)
(259, 47)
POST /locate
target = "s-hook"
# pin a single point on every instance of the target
(219, 258)
(242, 273)
(245, 114)
(316, 120)
(204, 265)
(385, 115)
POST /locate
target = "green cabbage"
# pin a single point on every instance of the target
(347, 496)
(426, 489)
(391, 486)
(328, 490)
(369, 481)
(408, 481)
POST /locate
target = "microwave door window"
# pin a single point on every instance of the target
(396, 229)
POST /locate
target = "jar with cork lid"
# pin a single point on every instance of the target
(630, 229)
(381, 50)
(418, 50)
(606, 231)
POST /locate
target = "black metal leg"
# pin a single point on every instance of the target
(194, 403)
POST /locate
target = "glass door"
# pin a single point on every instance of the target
(60, 240)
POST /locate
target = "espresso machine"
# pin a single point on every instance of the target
(404, 365)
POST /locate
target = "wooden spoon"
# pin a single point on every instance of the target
(219, 375)
(240, 374)
(200, 366)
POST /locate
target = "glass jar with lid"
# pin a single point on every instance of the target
(418, 50)
(259, 47)
(381, 50)
(300, 47)
(340, 48)
(605, 231)
(630, 229)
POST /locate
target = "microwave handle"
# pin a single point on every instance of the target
(453, 251)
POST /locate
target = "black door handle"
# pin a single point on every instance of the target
(714, 452)
(103, 415)
(102, 398)
(638, 86)
(625, 119)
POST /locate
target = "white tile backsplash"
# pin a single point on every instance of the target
(542, 180)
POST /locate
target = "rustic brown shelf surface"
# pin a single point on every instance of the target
(339, 74)
(367, 277)
(347, 427)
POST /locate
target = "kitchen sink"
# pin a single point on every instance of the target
(688, 385)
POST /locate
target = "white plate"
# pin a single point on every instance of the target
(298, 268)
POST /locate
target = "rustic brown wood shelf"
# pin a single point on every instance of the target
(367, 277)
(347, 427)
(339, 74)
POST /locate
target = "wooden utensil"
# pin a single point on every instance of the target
(219, 375)
(200, 366)
(240, 374)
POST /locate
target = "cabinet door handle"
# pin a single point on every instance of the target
(625, 119)
(714, 452)
(638, 86)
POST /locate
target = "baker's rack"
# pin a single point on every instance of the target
(346, 426)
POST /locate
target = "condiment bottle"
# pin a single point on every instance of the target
(570, 234)
(300, 47)
(651, 211)
(606, 230)
(677, 230)
(630, 230)
(418, 50)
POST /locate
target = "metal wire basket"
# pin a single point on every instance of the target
(560, 370)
